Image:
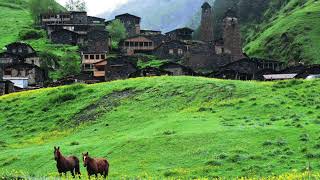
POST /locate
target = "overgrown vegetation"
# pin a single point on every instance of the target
(117, 31)
(167, 127)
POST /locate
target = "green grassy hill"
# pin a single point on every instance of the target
(300, 21)
(17, 19)
(166, 127)
(15, 16)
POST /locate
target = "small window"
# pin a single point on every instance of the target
(7, 72)
(29, 50)
(20, 50)
(14, 50)
(127, 44)
(91, 56)
(103, 56)
(131, 44)
(180, 51)
(146, 44)
(97, 56)
(171, 51)
(86, 56)
(150, 44)
(141, 44)
(136, 44)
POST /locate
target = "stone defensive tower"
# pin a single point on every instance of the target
(232, 36)
(206, 27)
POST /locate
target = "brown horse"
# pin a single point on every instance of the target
(95, 166)
(65, 164)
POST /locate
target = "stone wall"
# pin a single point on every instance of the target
(97, 41)
(64, 37)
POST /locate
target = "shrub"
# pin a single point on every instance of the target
(168, 132)
(281, 142)
(304, 137)
(170, 173)
(27, 34)
(74, 143)
(267, 143)
(63, 97)
(222, 156)
(237, 158)
(214, 163)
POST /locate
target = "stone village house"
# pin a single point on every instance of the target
(19, 63)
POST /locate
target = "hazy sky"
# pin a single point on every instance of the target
(99, 6)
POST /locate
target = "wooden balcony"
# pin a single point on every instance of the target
(99, 73)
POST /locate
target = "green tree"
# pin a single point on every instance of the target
(38, 7)
(76, 5)
(65, 66)
(117, 31)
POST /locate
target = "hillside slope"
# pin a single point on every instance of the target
(15, 16)
(166, 127)
(292, 34)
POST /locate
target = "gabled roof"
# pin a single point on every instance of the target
(132, 37)
(64, 30)
(94, 17)
(230, 13)
(19, 43)
(101, 63)
(279, 76)
(180, 29)
(206, 5)
(146, 30)
(128, 15)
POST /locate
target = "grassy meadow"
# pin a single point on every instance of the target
(167, 127)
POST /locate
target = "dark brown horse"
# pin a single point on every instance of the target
(95, 166)
(66, 164)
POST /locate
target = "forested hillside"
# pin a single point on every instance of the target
(286, 30)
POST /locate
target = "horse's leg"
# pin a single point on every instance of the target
(72, 173)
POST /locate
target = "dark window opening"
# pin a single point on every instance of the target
(91, 56)
(103, 56)
(7, 72)
(97, 56)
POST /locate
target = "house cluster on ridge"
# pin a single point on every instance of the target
(87, 32)
(178, 50)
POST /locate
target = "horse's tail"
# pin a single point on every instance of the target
(107, 167)
(77, 166)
